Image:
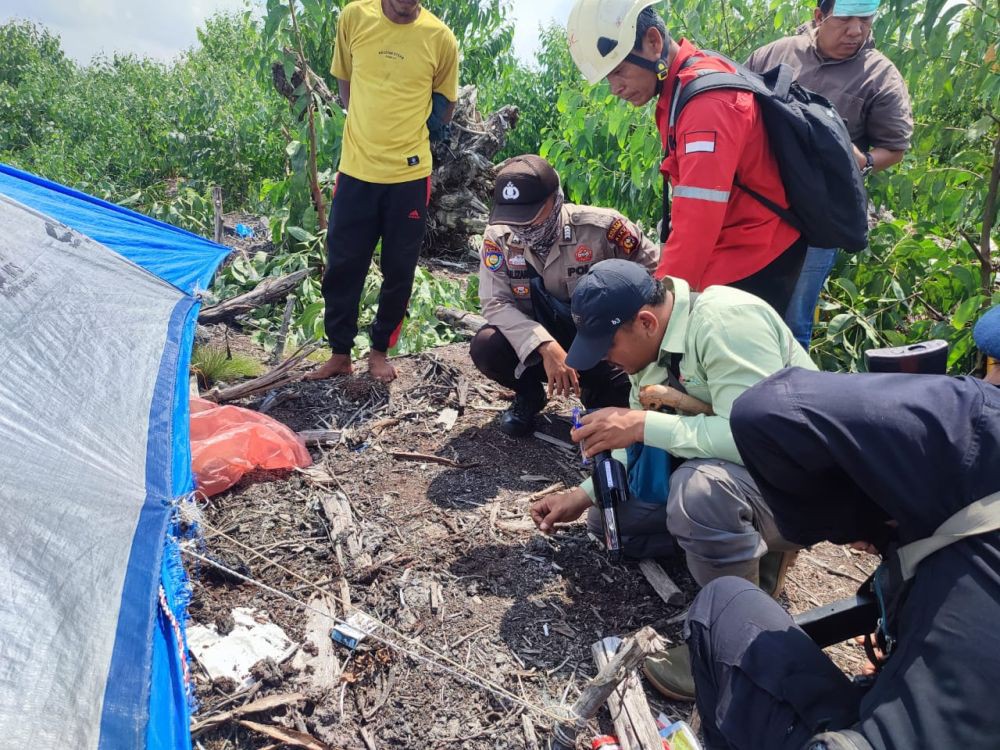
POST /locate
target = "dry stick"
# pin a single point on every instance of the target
(634, 724)
(279, 342)
(217, 205)
(660, 581)
(406, 456)
(279, 376)
(633, 651)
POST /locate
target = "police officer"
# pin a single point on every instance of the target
(861, 458)
(535, 251)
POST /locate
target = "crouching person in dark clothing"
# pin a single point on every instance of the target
(850, 458)
(536, 249)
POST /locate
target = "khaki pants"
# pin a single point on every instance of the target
(718, 517)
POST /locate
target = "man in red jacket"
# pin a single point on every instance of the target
(719, 233)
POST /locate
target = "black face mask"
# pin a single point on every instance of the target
(539, 238)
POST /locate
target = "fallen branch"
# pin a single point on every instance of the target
(634, 724)
(461, 320)
(660, 581)
(287, 736)
(279, 376)
(633, 651)
(427, 457)
(270, 289)
(254, 707)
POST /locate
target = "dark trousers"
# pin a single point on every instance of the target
(361, 214)
(760, 681)
(835, 457)
(775, 283)
(600, 386)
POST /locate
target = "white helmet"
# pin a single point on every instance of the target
(601, 34)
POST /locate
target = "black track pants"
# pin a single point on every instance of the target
(362, 213)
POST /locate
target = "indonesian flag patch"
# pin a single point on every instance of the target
(700, 141)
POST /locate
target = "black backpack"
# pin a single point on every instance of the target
(824, 186)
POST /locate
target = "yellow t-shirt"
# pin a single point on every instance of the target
(393, 69)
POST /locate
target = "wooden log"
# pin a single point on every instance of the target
(634, 724)
(660, 581)
(270, 289)
(322, 669)
(462, 321)
(341, 519)
(633, 651)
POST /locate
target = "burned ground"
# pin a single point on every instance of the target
(442, 551)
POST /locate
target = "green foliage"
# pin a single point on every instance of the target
(924, 275)
(157, 136)
(214, 364)
(421, 329)
(125, 125)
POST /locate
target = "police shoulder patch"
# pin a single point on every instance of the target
(492, 256)
(620, 234)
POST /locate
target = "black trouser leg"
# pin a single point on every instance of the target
(403, 218)
(495, 358)
(760, 681)
(775, 282)
(351, 236)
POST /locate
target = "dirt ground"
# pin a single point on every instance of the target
(438, 547)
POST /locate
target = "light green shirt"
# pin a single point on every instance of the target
(730, 341)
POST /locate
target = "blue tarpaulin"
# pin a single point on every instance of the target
(98, 308)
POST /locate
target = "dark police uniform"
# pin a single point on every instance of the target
(836, 457)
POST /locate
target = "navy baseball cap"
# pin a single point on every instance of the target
(987, 333)
(610, 295)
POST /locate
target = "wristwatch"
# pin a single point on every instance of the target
(869, 164)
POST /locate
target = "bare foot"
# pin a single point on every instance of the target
(338, 364)
(380, 368)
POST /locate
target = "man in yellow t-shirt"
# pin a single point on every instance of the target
(390, 57)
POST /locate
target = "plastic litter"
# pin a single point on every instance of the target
(244, 231)
(233, 654)
(229, 441)
(678, 733)
(354, 630)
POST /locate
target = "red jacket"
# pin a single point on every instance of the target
(720, 233)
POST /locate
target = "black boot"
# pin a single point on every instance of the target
(519, 419)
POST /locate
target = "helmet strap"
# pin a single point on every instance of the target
(659, 68)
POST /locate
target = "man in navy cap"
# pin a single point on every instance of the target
(716, 345)
(881, 461)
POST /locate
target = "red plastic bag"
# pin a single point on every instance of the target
(229, 441)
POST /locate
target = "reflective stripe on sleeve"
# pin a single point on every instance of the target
(701, 194)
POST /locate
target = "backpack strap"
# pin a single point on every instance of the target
(980, 517)
(743, 80)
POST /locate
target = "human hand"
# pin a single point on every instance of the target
(563, 380)
(560, 507)
(608, 429)
(868, 547)
(859, 157)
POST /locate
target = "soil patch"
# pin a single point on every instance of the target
(443, 552)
